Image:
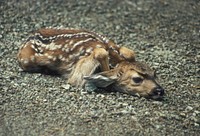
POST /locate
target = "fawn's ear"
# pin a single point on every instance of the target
(102, 79)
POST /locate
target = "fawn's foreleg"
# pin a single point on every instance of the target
(86, 66)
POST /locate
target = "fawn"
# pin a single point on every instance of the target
(88, 60)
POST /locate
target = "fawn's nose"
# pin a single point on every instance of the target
(157, 93)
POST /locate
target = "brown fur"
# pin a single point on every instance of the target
(77, 54)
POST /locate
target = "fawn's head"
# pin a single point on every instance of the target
(131, 78)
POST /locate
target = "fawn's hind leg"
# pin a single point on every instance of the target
(86, 66)
(32, 61)
(26, 57)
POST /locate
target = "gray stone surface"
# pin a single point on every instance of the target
(164, 33)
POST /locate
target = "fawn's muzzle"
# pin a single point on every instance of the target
(157, 93)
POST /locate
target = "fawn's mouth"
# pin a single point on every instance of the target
(157, 94)
(156, 97)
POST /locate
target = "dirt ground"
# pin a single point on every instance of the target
(164, 33)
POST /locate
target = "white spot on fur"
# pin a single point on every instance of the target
(76, 55)
(71, 42)
(81, 51)
(63, 49)
(36, 54)
(26, 61)
(38, 42)
(116, 51)
(50, 57)
(60, 56)
(46, 54)
(33, 47)
(62, 35)
(32, 58)
(71, 57)
(54, 58)
(81, 57)
(23, 46)
(53, 46)
(89, 50)
(59, 46)
(43, 45)
(98, 46)
(40, 49)
(63, 59)
(66, 46)
(87, 54)
(67, 50)
(80, 43)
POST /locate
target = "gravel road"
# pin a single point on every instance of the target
(164, 33)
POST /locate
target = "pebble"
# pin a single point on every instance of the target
(189, 108)
(66, 86)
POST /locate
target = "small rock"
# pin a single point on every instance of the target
(189, 108)
(66, 86)
(157, 126)
(125, 112)
(196, 124)
(182, 114)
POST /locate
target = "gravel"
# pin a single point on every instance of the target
(164, 33)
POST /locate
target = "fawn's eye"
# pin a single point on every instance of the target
(137, 80)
